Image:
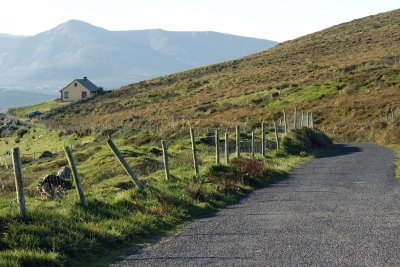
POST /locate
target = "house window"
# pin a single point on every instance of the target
(76, 84)
(66, 95)
(84, 94)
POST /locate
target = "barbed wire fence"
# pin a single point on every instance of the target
(248, 142)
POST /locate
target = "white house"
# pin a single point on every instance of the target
(79, 89)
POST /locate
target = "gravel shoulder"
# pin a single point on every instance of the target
(341, 210)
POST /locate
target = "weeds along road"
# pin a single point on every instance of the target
(342, 210)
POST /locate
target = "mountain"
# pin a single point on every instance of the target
(347, 75)
(111, 58)
(13, 98)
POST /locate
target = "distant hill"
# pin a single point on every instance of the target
(14, 98)
(348, 75)
(110, 59)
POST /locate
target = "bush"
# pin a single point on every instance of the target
(240, 170)
(304, 140)
(248, 169)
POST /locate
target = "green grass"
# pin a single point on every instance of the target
(303, 96)
(118, 216)
(21, 112)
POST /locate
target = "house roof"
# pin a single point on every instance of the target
(85, 83)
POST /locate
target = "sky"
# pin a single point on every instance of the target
(277, 20)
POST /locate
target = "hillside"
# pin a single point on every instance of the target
(346, 74)
(75, 48)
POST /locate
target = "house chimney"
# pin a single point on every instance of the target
(85, 78)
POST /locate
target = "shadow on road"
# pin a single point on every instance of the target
(341, 150)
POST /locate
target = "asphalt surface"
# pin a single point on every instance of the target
(342, 210)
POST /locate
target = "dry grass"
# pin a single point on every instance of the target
(346, 74)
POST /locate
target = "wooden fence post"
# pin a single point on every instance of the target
(226, 148)
(312, 121)
(295, 118)
(276, 136)
(285, 121)
(217, 160)
(307, 120)
(19, 182)
(75, 174)
(196, 165)
(252, 144)
(263, 139)
(237, 141)
(124, 164)
(165, 159)
(302, 119)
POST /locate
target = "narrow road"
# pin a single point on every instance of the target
(335, 211)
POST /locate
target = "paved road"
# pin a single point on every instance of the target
(335, 211)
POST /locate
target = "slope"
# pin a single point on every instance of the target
(347, 75)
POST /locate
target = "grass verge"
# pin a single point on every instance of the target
(64, 233)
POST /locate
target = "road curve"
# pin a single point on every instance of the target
(342, 210)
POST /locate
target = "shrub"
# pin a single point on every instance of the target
(304, 140)
(248, 169)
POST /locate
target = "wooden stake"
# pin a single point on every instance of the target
(312, 121)
(276, 136)
(295, 118)
(252, 144)
(285, 121)
(237, 141)
(124, 164)
(19, 182)
(217, 159)
(226, 148)
(263, 139)
(302, 119)
(165, 159)
(194, 150)
(75, 174)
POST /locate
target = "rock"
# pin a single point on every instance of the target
(64, 173)
(46, 154)
(53, 186)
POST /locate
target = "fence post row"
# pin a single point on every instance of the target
(226, 148)
(276, 136)
(165, 159)
(237, 141)
(19, 182)
(217, 160)
(75, 174)
(124, 164)
(196, 165)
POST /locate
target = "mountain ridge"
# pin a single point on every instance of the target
(112, 58)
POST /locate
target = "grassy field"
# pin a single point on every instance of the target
(61, 232)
